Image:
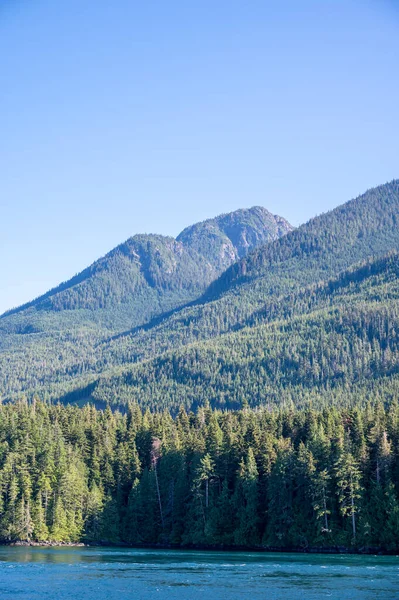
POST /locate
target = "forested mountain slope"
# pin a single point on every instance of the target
(326, 245)
(364, 228)
(55, 337)
(152, 273)
(334, 341)
(310, 315)
(319, 250)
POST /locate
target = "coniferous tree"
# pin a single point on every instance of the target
(246, 501)
(348, 483)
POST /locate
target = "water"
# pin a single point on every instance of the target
(112, 573)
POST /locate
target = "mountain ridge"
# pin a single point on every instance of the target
(57, 335)
(259, 258)
(265, 227)
(291, 284)
(218, 313)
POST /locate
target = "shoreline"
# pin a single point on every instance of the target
(365, 551)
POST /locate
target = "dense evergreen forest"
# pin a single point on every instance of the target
(335, 342)
(64, 334)
(312, 313)
(276, 478)
(142, 405)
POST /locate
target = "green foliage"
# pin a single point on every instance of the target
(298, 320)
(56, 338)
(308, 320)
(273, 477)
(331, 343)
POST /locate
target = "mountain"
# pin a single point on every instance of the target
(310, 316)
(326, 245)
(316, 252)
(153, 273)
(261, 332)
(330, 342)
(144, 277)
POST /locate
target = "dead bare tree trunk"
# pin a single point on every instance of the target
(155, 455)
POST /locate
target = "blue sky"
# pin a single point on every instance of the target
(124, 117)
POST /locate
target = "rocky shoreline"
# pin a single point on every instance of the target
(44, 544)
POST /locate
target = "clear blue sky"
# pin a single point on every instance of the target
(124, 116)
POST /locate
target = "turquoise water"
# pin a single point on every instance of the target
(113, 573)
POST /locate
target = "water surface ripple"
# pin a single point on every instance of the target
(111, 573)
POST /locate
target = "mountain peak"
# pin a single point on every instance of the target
(230, 236)
(149, 274)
